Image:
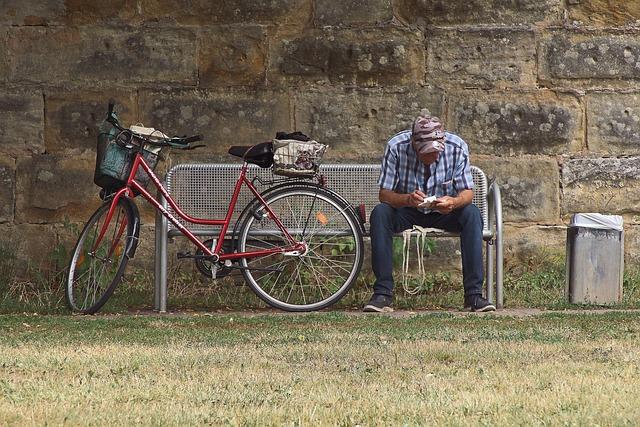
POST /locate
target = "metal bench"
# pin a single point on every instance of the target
(204, 191)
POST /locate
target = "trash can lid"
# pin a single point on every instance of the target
(596, 220)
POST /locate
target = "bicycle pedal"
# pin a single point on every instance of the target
(182, 255)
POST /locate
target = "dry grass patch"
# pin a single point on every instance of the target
(326, 369)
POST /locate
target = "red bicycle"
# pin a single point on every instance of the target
(298, 244)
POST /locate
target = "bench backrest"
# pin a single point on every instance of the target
(204, 190)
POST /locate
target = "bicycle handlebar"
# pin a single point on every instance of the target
(180, 142)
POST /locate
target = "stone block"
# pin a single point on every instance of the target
(352, 12)
(487, 58)
(230, 56)
(604, 12)
(471, 12)
(7, 188)
(536, 243)
(21, 122)
(530, 187)
(365, 58)
(73, 117)
(279, 12)
(51, 188)
(613, 123)
(632, 247)
(101, 56)
(610, 59)
(357, 124)
(74, 12)
(604, 185)
(517, 123)
(224, 118)
(31, 244)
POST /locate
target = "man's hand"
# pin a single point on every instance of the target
(415, 198)
(445, 204)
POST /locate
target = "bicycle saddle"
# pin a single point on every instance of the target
(259, 154)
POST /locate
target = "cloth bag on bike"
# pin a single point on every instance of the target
(296, 155)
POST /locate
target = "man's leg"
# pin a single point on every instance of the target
(385, 222)
(468, 222)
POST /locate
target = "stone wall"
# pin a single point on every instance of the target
(545, 92)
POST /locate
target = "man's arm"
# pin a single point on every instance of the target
(447, 204)
(401, 200)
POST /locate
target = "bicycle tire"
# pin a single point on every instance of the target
(116, 244)
(334, 240)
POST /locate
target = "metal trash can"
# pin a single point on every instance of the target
(595, 259)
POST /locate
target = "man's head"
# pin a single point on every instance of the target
(427, 137)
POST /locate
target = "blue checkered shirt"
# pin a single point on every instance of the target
(403, 172)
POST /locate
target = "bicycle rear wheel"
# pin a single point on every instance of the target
(96, 269)
(312, 280)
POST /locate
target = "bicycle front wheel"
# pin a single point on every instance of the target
(96, 268)
(305, 281)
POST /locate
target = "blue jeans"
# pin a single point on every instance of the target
(387, 221)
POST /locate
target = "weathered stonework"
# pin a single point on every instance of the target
(52, 188)
(77, 12)
(31, 244)
(74, 117)
(597, 60)
(529, 187)
(604, 12)
(101, 56)
(356, 124)
(631, 245)
(279, 12)
(229, 56)
(21, 122)
(486, 59)
(522, 244)
(613, 123)
(605, 185)
(7, 188)
(352, 12)
(447, 12)
(365, 58)
(517, 123)
(224, 118)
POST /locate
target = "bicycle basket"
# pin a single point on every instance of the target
(297, 158)
(114, 162)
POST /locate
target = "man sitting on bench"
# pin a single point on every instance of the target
(425, 180)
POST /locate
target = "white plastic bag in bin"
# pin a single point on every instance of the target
(596, 220)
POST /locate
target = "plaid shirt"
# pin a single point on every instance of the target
(403, 172)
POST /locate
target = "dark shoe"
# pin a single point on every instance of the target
(379, 304)
(477, 303)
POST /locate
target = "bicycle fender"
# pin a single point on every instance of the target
(135, 232)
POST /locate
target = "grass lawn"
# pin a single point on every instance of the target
(327, 368)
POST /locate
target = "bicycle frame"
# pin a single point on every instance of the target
(133, 185)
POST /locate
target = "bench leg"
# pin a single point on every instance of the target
(499, 266)
(160, 279)
(490, 266)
